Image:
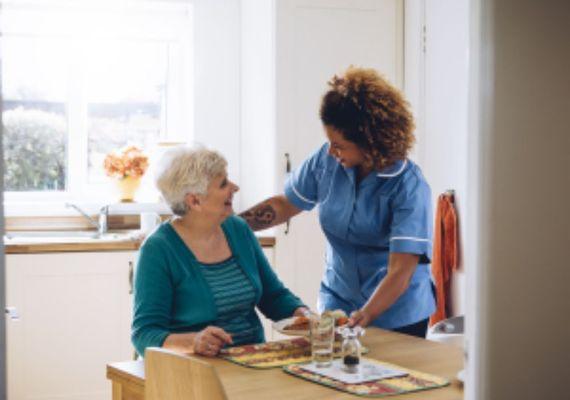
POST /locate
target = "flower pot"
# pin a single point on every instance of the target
(127, 188)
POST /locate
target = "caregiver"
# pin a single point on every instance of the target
(374, 206)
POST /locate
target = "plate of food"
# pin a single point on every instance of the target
(294, 326)
(340, 317)
(300, 326)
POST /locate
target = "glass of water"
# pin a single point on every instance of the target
(322, 338)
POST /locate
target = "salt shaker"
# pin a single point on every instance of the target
(351, 348)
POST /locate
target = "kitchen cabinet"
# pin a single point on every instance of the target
(267, 323)
(70, 315)
(271, 334)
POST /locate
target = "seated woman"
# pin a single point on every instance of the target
(201, 275)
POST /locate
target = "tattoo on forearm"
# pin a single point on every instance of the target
(259, 217)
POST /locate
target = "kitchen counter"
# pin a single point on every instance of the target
(115, 241)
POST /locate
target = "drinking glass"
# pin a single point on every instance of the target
(322, 338)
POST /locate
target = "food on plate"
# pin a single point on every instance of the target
(340, 317)
(302, 323)
(298, 324)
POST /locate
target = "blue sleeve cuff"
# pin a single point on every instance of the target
(420, 247)
(296, 198)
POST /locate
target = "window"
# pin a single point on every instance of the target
(82, 78)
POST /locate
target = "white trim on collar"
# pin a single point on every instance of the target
(394, 173)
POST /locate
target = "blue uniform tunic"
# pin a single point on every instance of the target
(387, 211)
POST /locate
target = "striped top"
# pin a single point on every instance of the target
(234, 298)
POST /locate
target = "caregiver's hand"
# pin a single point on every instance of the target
(303, 312)
(360, 317)
(210, 340)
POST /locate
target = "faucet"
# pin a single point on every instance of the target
(100, 224)
(103, 219)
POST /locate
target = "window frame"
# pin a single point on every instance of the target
(170, 23)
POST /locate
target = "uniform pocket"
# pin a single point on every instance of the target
(324, 178)
(371, 221)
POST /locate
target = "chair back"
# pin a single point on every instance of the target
(175, 376)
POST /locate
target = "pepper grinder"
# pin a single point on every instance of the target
(351, 349)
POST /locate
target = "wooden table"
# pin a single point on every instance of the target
(247, 383)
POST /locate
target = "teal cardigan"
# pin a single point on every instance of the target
(172, 296)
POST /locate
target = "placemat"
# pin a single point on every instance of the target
(413, 382)
(274, 354)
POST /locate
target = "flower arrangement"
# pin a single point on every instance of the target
(128, 162)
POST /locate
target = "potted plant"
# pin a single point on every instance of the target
(127, 166)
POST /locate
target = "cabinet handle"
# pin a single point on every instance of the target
(12, 313)
(287, 163)
(131, 274)
(287, 170)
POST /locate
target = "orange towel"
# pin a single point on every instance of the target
(445, 255)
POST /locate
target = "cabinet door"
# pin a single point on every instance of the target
(74, 315)
(270, 334)
(270, 254)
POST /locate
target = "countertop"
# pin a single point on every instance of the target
(123, 241)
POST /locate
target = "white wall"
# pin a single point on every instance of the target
(522, 109)
(217, 79)
(414, 67)
(257, 150)
(2, 265)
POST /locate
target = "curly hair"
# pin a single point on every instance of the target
(371, 113)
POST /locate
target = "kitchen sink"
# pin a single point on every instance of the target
(65, 236)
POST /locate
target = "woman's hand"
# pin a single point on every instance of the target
(401, 268)
(302, 312)
(210, 340)
(360, 317)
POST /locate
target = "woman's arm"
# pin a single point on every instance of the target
(401, 268)
(269, 213)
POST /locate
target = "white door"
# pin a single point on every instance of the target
(314, 40)
(73, 317)
(446, 119)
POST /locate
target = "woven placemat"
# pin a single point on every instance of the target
(274, 354)
(413, 382)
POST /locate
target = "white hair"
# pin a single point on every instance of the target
(183, 170)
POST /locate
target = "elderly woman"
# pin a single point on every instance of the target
(374, 206)
(201, 275)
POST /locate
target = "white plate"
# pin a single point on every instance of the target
(280, 325)
(369, 371)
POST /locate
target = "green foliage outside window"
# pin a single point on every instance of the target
(34, 150)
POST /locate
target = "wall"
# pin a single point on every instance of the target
(257, 148)
(522, 108)
(235, 91)
(217, 79)
(414, 67)
(2, 264)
